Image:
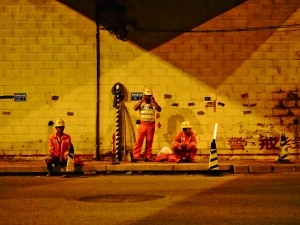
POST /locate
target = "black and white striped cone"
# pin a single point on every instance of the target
(283, 153)
(213, 157)
(116, 158)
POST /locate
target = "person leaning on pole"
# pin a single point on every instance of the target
(185, 144)
(146, 117)
(60, 145)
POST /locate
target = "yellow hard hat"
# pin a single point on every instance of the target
(59, 123)
(186, 124)
(148, 91)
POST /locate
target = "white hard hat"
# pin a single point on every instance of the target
(148, 91)
(59, 123)
(186, 124)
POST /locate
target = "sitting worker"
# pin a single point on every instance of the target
(60, 147)
(185, 144)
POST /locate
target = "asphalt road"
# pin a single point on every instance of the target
(272, 198)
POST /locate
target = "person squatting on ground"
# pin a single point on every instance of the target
(185, 144)
(60, 145)
(146, 106)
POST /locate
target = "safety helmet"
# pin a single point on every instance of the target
(186, 124)
(59, 123)
(148, 91)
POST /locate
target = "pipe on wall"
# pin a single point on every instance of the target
(97, 84)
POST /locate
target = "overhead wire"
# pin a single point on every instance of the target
(225, 30)
(244, 29)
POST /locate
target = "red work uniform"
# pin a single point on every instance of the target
(191, 148)
(145, 129)
(58, 148)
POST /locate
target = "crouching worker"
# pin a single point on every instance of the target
(60, 148)
(185, 144)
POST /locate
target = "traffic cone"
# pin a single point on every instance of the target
(283, 153)
(213, 157)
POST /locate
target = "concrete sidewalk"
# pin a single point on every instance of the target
(34, 167)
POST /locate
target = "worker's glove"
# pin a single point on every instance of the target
(66, 155)
(70, 155)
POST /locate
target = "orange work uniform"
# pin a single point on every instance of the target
(191, 147)
(58, 148)
(145, 129)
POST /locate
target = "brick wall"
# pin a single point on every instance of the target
(252, 75)
(47, 50)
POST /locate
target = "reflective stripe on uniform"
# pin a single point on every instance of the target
(147, 113)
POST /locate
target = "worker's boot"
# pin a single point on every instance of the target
(49, 169)
(190, 160)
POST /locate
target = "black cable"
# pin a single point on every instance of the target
(6, 97)
(229, 30)
(210, 31)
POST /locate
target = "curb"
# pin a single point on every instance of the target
(240, 169)
(151, 168)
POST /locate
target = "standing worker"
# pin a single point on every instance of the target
(185, 144)
(146, 106)
(59, 147)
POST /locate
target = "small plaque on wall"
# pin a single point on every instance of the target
(20, 97)
(136, 96)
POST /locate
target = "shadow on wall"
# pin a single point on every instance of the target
(157, 15)
(164, 28)
(81, 6)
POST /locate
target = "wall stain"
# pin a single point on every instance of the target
(55, 98)
(221, 104)
(278, 69)
(209, 104)
(280, 105)
(290, 113)
(200, 113)
(247, 112)
(246, 95)
(167, 96)
(292, 95)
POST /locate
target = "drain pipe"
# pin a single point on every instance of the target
(98, 158)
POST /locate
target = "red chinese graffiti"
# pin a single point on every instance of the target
(158, 125)
(293, 144)
(237, 143)
(157, 115)
(268, 143)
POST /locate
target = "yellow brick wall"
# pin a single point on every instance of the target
(241, 70)
(47, 49)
